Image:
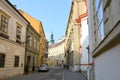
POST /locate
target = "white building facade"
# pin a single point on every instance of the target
(104, 31)
(12, 36)
(84, 43)
(56, 54)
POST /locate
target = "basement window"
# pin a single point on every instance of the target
(16, 62)
(2, 60)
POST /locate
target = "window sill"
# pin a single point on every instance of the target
(18, 41)
(4, 35)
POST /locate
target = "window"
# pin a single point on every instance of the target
(4, 20)
(38, 45)
(30, 40)
(99, 18)
(2, 60)
(16, 61)
(18, 33)
(4, 24)
(35, 43)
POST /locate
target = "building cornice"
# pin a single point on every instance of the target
(71, 11)
(17, 11)
(57, 44)
(112, 39)
(82, 15)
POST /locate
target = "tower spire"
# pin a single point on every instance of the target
(51, 39)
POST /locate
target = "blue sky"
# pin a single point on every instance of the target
(52, 13)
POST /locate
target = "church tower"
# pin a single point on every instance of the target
(51, 39)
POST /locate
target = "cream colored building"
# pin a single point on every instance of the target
(73, 52)
(104, 31)
(12, 35)
(84, 37)
(56, 54)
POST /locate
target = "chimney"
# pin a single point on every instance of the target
(15, 6)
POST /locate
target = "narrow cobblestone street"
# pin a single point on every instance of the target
(59, 39)
(53, 74)
(69, 75)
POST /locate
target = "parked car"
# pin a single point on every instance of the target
(43, 68)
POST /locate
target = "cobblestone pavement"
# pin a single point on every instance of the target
(53, 74)
(69, 75)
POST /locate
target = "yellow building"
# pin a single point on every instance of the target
(37, 25)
